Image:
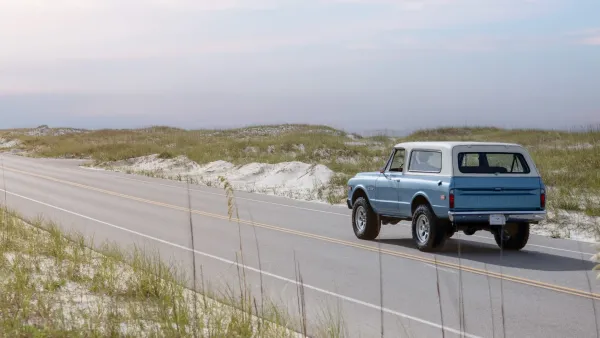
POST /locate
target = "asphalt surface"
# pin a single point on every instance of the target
(546, 290)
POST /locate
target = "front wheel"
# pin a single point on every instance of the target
(512, 236)
(364, 220)
(429, 233)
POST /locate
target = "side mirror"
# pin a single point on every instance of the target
(381, 170)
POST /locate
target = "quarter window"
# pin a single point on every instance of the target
(425, 161)
(397, 164)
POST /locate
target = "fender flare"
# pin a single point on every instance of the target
(419, 195)
(359, 189)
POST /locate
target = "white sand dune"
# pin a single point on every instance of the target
(290, 179)
(8, 143)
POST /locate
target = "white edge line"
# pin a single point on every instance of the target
(210, 193)
(314, 288)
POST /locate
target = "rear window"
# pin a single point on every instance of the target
(492, 163)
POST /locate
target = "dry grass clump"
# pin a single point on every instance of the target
(53, 285)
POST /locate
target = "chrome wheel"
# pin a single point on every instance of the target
(360, 220)
(423, 229)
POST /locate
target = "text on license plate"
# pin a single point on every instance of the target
(497, 219)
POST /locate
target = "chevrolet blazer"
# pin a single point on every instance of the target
(445, 187)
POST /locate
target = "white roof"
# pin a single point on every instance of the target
(450, 144)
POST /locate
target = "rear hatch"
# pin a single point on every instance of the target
(496, 193)
(495, 178)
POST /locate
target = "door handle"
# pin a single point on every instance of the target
(396, 179)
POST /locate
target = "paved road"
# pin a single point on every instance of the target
(546, 290)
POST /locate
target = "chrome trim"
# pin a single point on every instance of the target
(521, 215)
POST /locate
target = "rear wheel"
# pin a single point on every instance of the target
(512, 236)
(450, 230)
(429, 233)
(469, 232)
(364, 220)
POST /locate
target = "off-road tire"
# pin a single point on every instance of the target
(469, 232)
(515, 242)
(438, 229)
(450, 230)
(372, 226)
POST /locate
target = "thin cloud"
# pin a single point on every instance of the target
(593, 40)
(469, 43)
(76, 5)
(589, 36)
(38, 30)
(592, 37)
(38, 36)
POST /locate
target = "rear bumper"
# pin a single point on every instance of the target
(482, 216)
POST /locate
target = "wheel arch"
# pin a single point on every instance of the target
(359, 192)
(418, 199)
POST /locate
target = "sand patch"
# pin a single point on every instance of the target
(289, 179)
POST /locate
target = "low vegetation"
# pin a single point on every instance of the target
(53, 285)
(568, 160)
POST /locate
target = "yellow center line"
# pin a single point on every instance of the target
(371, 248)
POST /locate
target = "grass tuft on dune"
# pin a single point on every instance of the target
(52, 284)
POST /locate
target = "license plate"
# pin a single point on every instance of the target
(497, 219)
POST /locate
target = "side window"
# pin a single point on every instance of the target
(397, 164)
(425, 161)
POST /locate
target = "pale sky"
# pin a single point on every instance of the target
(354, 64)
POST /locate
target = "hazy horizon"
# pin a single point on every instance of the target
(350, 64)
(363, 132)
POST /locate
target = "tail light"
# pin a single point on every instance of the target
(451, 199)
(543, 198)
